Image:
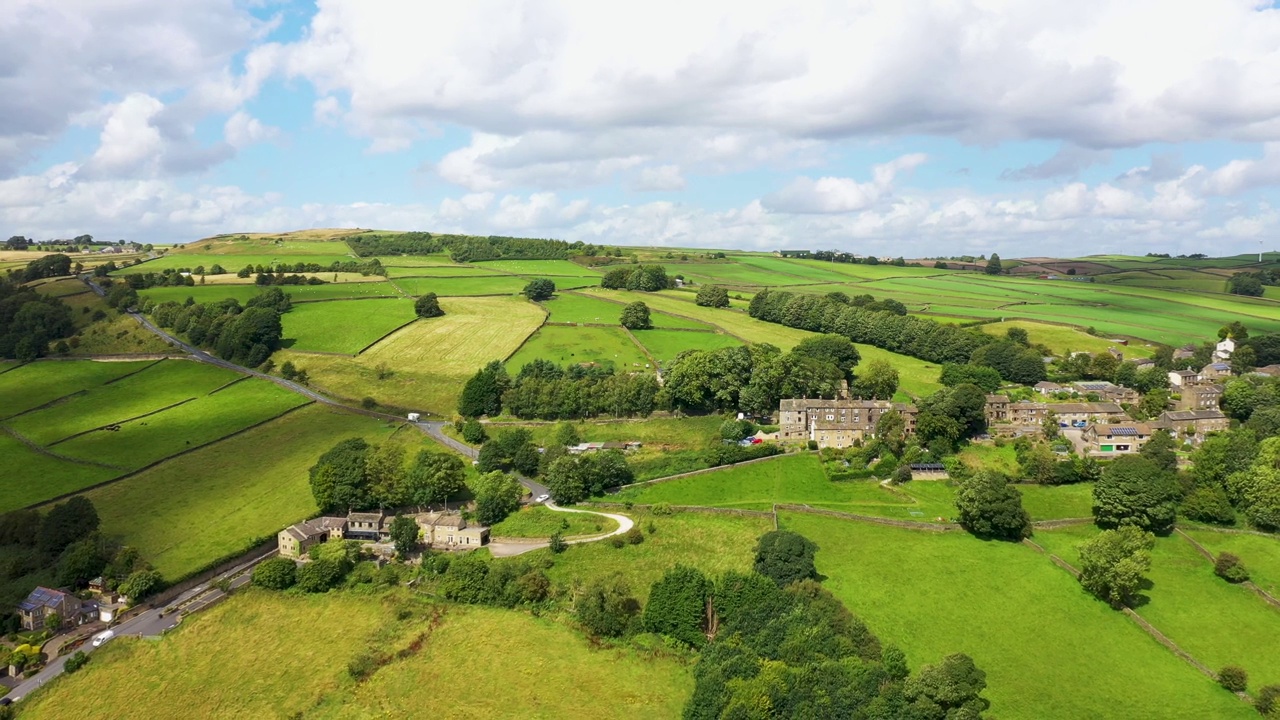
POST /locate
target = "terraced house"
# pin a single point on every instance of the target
(836, 423)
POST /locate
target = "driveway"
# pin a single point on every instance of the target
(519, 548)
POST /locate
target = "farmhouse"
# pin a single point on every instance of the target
(1044, 387)
(1224, 349)
(1107, 391)
(1192, 424)
(1215, 371)
(1200, 397)
(295, 540)
(1184, 352)
(836, 423)
(449, 530)
(445, 530)
(1025, 412)
(1124, 438)
(1183, 378)
(997, 409)
(43, 604)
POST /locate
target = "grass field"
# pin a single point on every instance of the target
(343, 326)
(35, 384)
(117, 335)
(299, 293)
(190, 425)
(28, 477)
(664, 345)
(441, 271)
(572, 345)
(192, 256)
(1048, 649)
(206, 504)
(1261, 555)
(536, 521)
(480, 662)
(538, 268)
(659, 433)
(430, 359)
(162, 384)
(462, 286)
(1062, 340)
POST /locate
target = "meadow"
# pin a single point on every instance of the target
(1062, 339)
(461, 286)
(539, 268)
(193, 256)
(536, 521)
(1049, 650)
(572, 345)
(442, 271)
(34, 384)
(480, 662)
(1261, 555)
(28, 477)
(343, 327)
(664, 345)
(222, 498)
(299, 293)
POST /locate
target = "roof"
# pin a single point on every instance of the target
(298, 532)
(1102, 408)
(1095, 385)
(364, 517)
(1220, 367)
(928, 467)
(1269, 370)
(1186, 415)
(809, 404)
(1185, 373)
(1046, 385)
(997, 399)
(42, 597)
(1133, 430)
(1204, 389)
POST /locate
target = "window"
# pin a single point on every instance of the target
(830, 416)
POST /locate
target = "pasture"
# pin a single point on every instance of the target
(34, 384)
(299, 293)
(544, 668)
(227, 496)
(538, 268)
(1062, 339)
(536, 521)
(1049, 650)
(345, 327)
(574, 307)
(28, 477)
(572, 345)
(194, 255)
(428, 360)
(664, 345)
(462, 286)
(1261, 555)
(441, 271)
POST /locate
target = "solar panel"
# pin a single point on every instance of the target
(1124, 431)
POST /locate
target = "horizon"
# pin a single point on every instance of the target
(914, 130)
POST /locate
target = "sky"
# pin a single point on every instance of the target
(917, 127)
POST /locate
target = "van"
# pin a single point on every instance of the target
(103, 636)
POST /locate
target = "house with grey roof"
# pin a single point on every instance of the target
(44, 604)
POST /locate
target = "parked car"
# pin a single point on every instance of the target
(542, 498)
(102, 637)
(1079, 424)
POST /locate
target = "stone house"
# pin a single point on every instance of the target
(1215, 371)
(997, 409)
(1192, 425)
(38, 608)
(1224, 349)
(835, 423)
(364, 526)
(1183, 378)
(1199, 397)
(1044, 387)
(1087, 412)
(295, 540)
(1025, 412)
(1121, 438)
(450, 531)
(1107, 391)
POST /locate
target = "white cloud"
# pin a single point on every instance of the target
(840, 195)
(129, 140)
(664, 178)
(242, 130)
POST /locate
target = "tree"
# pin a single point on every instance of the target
(1018, 335)
(831, 348)
(338, 478)
(497, 495)
(1208, 504)
(277, 573)
(1233, 678)
(320, 575)
(1112, 565)
(384, 474)
(950, 690)
(712, 296)
(434, 478)
(482, 395)
(605, 608)
(566, 435)
(428, 306)
(991, 508)
(785, 557)
(993, 266)
(1160, 450)
(635, 316)
(81, 562)
(1244, 360)
(677, 606)
(66, 523)
(509, 450)
(879, 381)
(540, 289)
(1246, 284)
(404, 535)
(1228, 567)
(473, 432)
(141, 585)
(1134, 490)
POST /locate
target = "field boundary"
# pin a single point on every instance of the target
(15, 367)
(121, 422)
(44, 406)
(144, 368)
(906, 524)
(720, 328)
(220, 388)
(130, 473)
(386, 335)
(47, 452)
(686, 508)
(643, 350)
(309, 301)
(545, 316)
(1266, 596)
(695, 472)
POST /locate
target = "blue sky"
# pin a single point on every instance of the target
(918, 128)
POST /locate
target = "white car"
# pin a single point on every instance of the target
(542, 498)
(103, 637)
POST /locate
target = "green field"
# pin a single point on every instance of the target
(161, 385)
(480, 662)
(299, 293)
(440, 271)
(664, 345)
(539, 268)
(343, 326)
(219, 499)
(536, 521)
(430, 359)
(462, 286)
(572, 345)
(35, 384)
(189, 425)
(1261, 555)
(1062, 340)
(28, 477)
(1048, 649)
(233, 262)
(573, 307)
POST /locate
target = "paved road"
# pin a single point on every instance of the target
(151, 623)
(509, 549)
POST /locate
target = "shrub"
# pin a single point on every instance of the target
(1229, 568)
(1233, 678)
(362, 665)
(635, 536)
(75, 662)
(1209, 504)
(278, 573)
(785, 557)
(557, 544)
(368, 403)
(618, 541)
(902, 474)
(473, 432)
(1268, 700)
(661, 508)
(428, 306)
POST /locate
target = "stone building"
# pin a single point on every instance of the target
(836, 423)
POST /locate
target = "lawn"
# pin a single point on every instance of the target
(536, 521)
(664, 345)
(37, 383)
(451, 286)
(189, 425)
(479, 662)
(217, 500)
(344, 326)
(163, 384)
(28, 477)
(431, 359)
(712, 543)
(1261, 555)
(1049, 650)
(572, 345)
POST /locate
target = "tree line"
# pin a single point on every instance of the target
(246, 335)
(29, 321)
(543, 390)
(471, 248)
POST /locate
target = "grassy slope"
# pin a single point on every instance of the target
(343, 326)
(35, 384)
(1261, 555)
(1047, 648)
(664, 345)
(299, 293)
(538, 521)
(571, 345)
(1061, 339)
(212, 502)
(28, 477)
(445, 287)
(480, 663)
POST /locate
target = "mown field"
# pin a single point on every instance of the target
(219, 499)
(299, 293)
(479, 662)
(343, 327)
(573, 345)
(28, 476)
(1261, 555)
(34, 384)
(1049, 650)
(461, 286)
(1062, 339)
(664, 345)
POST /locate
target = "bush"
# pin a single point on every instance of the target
(1229, 568)
(661, 508)
(902, 474)
(618, 541)
(428, 306)
(473, 432)
(988, 506)
(635, 536)
(362, 665)
(278, 573)
(557, 544)
(1209, 504)
(368, 403)
(75, 662)
(1233, 678)
(1268, 700)
(785, 557)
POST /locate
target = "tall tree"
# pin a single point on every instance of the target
(635, 316)
(785, 557)
(434, 478)
(993, 266)
(677, 606)
(428, 306)
(1134, 490)
(540, 289)
(878, 381)
(712, 296)
(1113, 564)
(989, 507)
